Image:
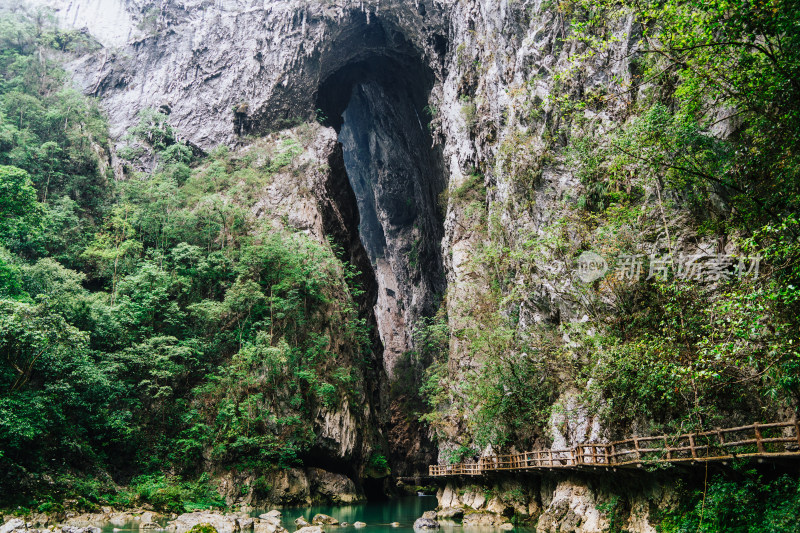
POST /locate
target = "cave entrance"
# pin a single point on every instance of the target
(377, 100)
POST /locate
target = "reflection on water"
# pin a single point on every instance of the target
(377, 515)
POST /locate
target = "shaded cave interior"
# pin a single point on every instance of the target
(375, 95)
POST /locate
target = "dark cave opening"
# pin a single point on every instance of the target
(377, 104)
(374, 92)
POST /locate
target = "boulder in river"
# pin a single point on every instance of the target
(273, 525)
(301, 522)
(324, 520)
(272, 514)
(310, 529)
(75, 529)
(359, 524)
(426, 523)
(228, 523)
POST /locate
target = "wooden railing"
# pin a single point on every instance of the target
(778, 439)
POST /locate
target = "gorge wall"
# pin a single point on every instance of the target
(455, 153)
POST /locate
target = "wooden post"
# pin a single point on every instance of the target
(797, 431)
(759, 443)
(691, 445)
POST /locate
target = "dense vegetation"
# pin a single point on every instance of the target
(695, 147)
(152, 324)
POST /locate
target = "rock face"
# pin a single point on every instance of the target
(555, 503)
(428, 99)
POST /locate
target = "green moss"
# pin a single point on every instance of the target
(203, 528)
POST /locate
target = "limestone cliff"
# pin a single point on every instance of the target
(439, 106)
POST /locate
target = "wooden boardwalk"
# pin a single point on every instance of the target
(775, 440)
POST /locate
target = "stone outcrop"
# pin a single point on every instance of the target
(555, 503)
(223, 523)
(420, 98)
(18, 525)
(324, 520)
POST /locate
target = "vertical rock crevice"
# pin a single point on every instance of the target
(377, 104)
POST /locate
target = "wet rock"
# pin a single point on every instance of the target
(120, 519)
(395, 524)
(149, 525)
(75, 529)
(310, 529)
(324, 520)
(272, 514)
(359, 524)
(301, 522)
(222, 523)
(482, 519)
(272, 525)
(344, 524)
(426, 523)
(508, 526)
(450, 513)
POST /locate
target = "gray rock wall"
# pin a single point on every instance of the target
(483, 63)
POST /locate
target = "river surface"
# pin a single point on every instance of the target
(377, 515)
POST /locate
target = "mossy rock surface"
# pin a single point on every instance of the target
(203, 528)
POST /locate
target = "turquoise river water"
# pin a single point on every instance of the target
(377, 515)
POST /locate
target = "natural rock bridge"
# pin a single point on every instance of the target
(775, 440)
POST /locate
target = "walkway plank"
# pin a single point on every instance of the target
(619, 453)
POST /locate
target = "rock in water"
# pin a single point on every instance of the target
(359, 524)
(450, 513)
(219, 522)
(272, 514)
(324, 520)
(301, 522)
(395, 524)
(426, 523)
(271, 525)
(73, 529)
(310, 529)
(508, 526)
